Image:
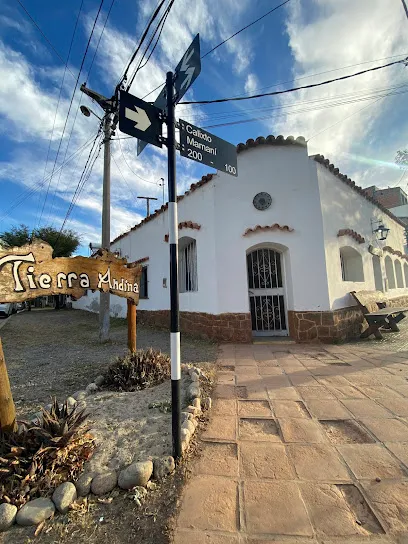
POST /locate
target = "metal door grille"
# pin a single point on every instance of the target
(267, 304)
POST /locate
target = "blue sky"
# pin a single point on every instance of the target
(360, 134)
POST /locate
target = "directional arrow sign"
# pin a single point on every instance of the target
(185, 73)
(140, 119)
(202, 146)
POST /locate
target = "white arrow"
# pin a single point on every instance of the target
(189, 70)
(140, 117)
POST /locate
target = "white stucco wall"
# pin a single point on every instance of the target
(344, 208)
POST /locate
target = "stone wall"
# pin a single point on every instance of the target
(221, 327)
(332, 326)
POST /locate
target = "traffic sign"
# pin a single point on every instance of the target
(202, 146)
(140, 119)
(186, 73)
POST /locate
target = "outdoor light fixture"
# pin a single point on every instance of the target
(381, 231)
(87, 112)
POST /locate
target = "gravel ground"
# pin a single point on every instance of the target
(54, 353)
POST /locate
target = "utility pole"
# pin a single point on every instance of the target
(162, 186)
(174, 288)
(148, 199)
(109, 107)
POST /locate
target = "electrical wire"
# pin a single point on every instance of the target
(134, 173)
(69, 109)
(274, 93)
(44, 36)
(123, 177)
(160, 26)
(142, 39)
(59, 97)
(100, 37)
(227, 39)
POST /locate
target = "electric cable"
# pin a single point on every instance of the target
(100, 37)
(134, 173)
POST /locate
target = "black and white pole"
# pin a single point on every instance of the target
(174, 289)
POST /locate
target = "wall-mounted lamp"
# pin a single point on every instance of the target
(381, 231)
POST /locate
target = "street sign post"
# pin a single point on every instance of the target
(186, 72)
(202, 146)
(140, 119)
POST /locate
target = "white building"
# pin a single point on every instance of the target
(275, 251)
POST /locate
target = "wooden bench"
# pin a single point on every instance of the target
(377, 312)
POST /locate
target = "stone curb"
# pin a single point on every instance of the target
(136, 476)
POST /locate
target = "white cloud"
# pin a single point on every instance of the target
(251, 83)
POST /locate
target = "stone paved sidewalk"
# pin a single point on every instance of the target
(306, 444)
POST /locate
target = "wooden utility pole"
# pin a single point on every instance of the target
(7, 408)
(131, 319)
(148, 199)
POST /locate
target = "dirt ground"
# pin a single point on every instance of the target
(55, 353)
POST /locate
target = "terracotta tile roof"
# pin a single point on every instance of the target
(272, 140)
(185, 225)
(389, 249)
(142, 260)
(335, 171)
(350, 232)
(276, 226)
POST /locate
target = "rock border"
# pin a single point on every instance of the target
(136, 476)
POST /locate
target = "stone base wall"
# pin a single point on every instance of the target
(331, 326)
(221, 327)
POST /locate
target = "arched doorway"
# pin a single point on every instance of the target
(266, 292)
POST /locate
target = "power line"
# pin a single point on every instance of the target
(160, 26)
(100, 37)
(123, 177)
(69, 109)
(227, 39)
(59, 97)
(134, 173)
(274, 93)
(45, 37)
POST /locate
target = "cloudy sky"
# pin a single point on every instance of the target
(359, 123)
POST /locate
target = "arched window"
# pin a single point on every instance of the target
(406, 274)
(377, 273)
(389, 270)
(188, 280)
(351, 264)
(398, 274)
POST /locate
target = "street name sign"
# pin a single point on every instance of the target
(186, 72)
(202, 146)
(30, 271)
(140, 119)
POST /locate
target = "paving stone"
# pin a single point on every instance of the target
(390, 501)
(334, 381)
(254, 408)
(221, 428)
(209, 503)
(280, 498)
(289, 409)
(315, 392)
(218, 459)
(400, 451)
(248, 379)
(287, 540)
(370, 461)
(246, 370)
(379, 392)
(284, 393)
(346, 392)
(401, 389)
(259, 430)
(275, 382)
(300, 379)
(264, 460)
(226, 378)
(366, 408)
(225, 407)
(183, 536)
(327, 409)
(363, 378)
(328, 510)
(387, 430)
(225, 392)
(317, 462)
(270, 371)
(256, 392)
(301, 430)
(399, 406)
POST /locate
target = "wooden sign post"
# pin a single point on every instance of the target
(131, 319)
(30, 271)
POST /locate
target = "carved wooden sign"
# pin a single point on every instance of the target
(30, 271)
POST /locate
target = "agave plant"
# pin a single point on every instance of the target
(138, 370)
(43, 454)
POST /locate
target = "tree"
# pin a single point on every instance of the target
(402, 157)
(64, 243)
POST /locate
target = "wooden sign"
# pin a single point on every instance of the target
(30, 271)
